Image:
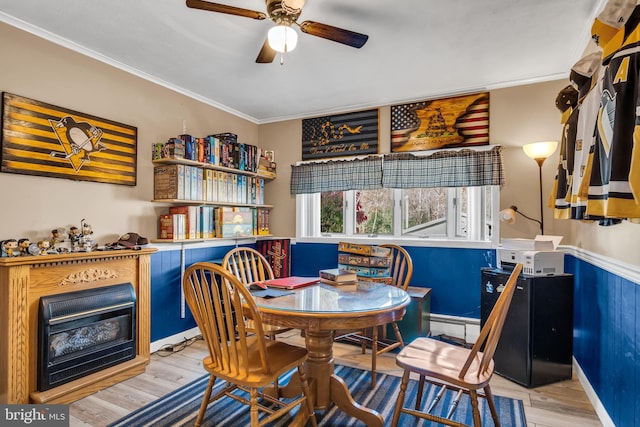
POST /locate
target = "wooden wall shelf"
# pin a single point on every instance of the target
(259, 174)
(209, 203)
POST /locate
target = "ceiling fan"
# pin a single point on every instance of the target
(282, 38)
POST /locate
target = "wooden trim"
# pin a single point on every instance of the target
(23, 280)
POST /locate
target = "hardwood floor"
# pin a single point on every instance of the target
(563, 404)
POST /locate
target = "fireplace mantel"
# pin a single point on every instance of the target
(23, 280)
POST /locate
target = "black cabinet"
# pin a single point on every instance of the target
(536, 344)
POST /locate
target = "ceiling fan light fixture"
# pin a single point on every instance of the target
(282, 38)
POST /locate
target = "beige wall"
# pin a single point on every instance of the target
(518, 115)
(32, 206)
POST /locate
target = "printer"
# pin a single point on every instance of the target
(538, 256)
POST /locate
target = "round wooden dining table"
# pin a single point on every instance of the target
(320, 310)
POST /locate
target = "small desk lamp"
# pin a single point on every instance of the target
(509, 216)
(538, 151)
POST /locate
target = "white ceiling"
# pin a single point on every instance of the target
(417, 49)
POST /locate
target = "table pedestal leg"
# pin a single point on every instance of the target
(319, 364)
(329, 387)
(343, 400)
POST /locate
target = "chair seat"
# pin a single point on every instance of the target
(282, 358)
(441, 360)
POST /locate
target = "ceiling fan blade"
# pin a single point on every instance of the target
(350, 38)
(266, 55)
(221, 8)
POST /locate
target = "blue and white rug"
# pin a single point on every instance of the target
(180, 407)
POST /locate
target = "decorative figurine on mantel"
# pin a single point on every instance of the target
(45, 247)
(23, 246)
(55, 237)
(58, 241)
(33, 249)
(85, 242)
(74, 236)
(10, 248)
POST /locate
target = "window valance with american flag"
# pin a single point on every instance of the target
(444, 168)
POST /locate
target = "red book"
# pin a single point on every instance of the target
(291, 282)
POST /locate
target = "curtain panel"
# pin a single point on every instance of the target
(447, 168)
(464, 168)
(337, 175)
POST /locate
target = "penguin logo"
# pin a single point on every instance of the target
(606, 119)
(78, 140)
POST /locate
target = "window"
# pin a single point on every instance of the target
(332, 212)
(373, 212)
(444, 196)
(463, 214)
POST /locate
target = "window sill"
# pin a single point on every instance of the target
(403, 241)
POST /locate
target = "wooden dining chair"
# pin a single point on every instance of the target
(249, 265)
(401, 270)
(245, 362)
(464, 370)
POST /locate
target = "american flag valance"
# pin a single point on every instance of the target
(445, 168)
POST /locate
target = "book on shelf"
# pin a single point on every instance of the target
(192, 219)
(172, 226)
(338, 275)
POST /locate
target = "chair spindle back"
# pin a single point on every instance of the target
(401, 266)
(218, 302)
(247, 264)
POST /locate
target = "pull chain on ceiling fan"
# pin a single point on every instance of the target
(282, 37)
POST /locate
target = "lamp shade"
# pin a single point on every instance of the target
(540, 150)
(508, 215)
(282, 38)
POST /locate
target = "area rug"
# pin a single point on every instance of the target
(180, 407)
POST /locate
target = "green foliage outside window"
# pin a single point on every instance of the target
(332, 212)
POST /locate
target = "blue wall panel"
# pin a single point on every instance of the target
(606, 308)
(452, 274)
(165, 296)
(165, 289)
(606, 337)
(308, 258)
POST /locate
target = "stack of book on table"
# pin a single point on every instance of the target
(370, 263)
(338, 276)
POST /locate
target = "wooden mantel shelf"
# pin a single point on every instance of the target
(23, 280)
(75, 257)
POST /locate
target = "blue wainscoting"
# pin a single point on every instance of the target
(165, 288)
(606, 310)
(606, 338)
(452, 274)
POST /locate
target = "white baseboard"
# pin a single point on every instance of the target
(464, 328)
(175, 339)
(592, 396)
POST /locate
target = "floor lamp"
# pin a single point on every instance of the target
(540, 151)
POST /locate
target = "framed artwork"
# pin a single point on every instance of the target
(441, 123)
(349, 134)
(46, 140)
